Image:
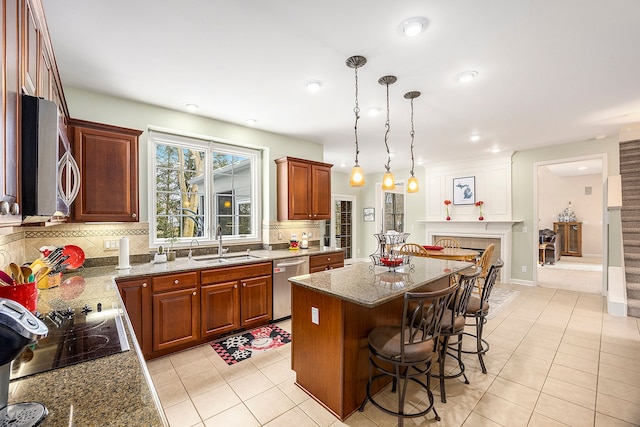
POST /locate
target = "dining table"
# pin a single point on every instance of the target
(456, 254)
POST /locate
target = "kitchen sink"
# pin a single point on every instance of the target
(227, 258)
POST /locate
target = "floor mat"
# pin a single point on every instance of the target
(499, 299)
(240, 347)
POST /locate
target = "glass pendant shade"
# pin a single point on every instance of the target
(412, 185)
(388, 182)
(357, 177)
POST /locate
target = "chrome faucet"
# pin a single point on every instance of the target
(219, 239)
(190, 250)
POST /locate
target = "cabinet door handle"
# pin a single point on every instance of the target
(194, 293)
(176, 281)
(235, 286)
(244, 285)
(133, 215)
(144, 285)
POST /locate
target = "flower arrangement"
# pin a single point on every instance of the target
(446, 206)
(479, 204)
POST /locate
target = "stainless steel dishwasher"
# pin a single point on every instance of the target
(282, 270)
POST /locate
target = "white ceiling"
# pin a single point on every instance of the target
(549, 72)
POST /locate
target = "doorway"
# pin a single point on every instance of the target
(572, 190)
(341, 229)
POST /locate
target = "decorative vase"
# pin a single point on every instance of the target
(448, 218)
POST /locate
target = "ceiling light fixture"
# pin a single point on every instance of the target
(251, 122)
(191, 107)
(374, 111)
(388, 182)
(314, 85)
(357, 175)
(475, 137)
(467, 76)
(413, 26)
(412, 184)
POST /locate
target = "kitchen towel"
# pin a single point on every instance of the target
(123, 254)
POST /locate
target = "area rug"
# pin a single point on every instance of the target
(499, 299)
(241, 347)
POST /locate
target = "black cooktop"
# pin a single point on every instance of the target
(75, 335)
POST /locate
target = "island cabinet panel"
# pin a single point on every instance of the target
(326, 262)
(175, 311)
(136, 296)
(220, 308)
(331, 357)
(108, 188)
(303, 189)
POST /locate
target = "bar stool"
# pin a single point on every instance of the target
(453, 325)
(404, 351)
(478, 309)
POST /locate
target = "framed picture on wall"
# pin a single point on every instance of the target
(464, 190)
(369, 214)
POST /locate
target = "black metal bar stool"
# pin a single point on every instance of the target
(478, 309)
(404, 351)
(453, 326)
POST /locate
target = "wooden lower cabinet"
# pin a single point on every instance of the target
(175, 311)
(326, 262)
(136, 296)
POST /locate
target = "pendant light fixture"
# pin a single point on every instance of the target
(412, 184)
(357, 174)
(388, 182)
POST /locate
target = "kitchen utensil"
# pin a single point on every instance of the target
(16, 272)
(6, 278)
(75, 256)
(26, 273)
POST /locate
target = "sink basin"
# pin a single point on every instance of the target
(227, 258)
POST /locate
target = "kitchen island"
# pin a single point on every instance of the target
(333, 313)
(114, 390)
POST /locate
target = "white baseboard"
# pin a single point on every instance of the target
(617, 294)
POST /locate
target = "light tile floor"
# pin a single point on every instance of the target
(556, 359)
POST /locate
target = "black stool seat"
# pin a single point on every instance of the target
(404, 352)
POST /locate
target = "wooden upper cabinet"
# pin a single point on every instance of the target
(304, 189)
(108, 161)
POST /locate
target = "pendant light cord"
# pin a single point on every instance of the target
(412, 136)
(356, 111)
(386, 133)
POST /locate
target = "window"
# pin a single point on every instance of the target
(393, 209)
(199, 184)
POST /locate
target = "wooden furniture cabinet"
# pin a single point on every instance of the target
(570, 235)
(326, 262)
(235, 297)
(108, 160)
(136, 296)
(28, 66)
(303, 189)
(175, 311)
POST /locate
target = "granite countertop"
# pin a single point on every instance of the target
(115, 390)
(363, 285)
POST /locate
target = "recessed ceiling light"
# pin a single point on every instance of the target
(413, 26)
(420, 162)
(191, 107)
(343, 165)
(314, 85)
(495, 150)
(581, 168)
(601, 136)
(475, 137)
(467, 76)
(374, 111)
(251, 122)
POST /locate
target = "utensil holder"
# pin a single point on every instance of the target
(25, 294)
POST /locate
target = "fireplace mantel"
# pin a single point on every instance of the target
(501, 229)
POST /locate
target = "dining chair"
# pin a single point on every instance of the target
(453, 326)
(412, 249)
(484, 262)
(478, 309)
(447, 242)
(404, 351)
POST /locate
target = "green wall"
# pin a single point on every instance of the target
(100, 108)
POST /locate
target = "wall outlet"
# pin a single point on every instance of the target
(279, 235)
(310, 234)
(315, 315)
(111, 245)
(524, 268)
(524, 229)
